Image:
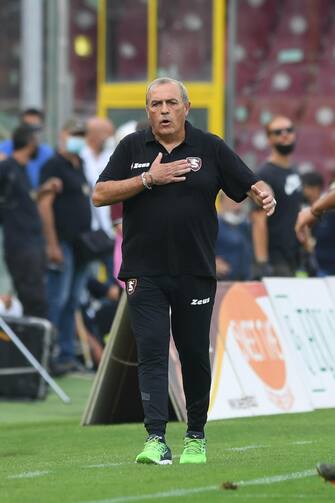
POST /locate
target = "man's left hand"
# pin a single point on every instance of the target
(305, 219)
(263, 196)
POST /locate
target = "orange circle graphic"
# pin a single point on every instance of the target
(255, 335)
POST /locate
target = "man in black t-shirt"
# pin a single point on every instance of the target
(168, 177)
(276, 248)
(24, 247)
(65, 216)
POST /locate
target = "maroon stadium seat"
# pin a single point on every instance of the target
(284, 80)
(263, 109)
(319, 111)
(324, 84)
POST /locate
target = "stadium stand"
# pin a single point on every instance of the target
(285, 64)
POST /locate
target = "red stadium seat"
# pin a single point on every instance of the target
(284, 80)
(264, 109)
(319, 112)
(324, 84)
(313, 142)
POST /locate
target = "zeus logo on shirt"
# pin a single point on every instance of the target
(200, 302)
(136, 165)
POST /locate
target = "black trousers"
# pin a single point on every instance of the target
(27, 267)
(184, 304)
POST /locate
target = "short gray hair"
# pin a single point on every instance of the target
(168, 80)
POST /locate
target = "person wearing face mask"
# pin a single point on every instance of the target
(99, 146)
(276, 248)
(65, 216)
(24, 249)
(233, 251)
(34, 118)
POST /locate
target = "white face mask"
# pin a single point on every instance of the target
(75, 144)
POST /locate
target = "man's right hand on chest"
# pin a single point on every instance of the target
(169, 172)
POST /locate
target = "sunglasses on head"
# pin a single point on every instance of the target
(279, 131)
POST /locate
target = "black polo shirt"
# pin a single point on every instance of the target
(72, 211)
(172, 228)
(22, 226)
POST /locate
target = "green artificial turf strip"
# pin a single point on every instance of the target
(54, 442)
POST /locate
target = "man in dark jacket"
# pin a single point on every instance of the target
(24, 248)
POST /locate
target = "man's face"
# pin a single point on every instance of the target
(281, 132)
(32, 120)
(311, 193)
(166, 110)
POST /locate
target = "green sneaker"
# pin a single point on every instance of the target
(194, 451)
(155, 452)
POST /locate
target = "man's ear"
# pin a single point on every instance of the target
(187, 108)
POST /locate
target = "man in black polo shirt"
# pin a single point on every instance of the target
(65, 216)
(24, 247)
(168, 177)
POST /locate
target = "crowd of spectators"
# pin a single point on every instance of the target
(45, 205)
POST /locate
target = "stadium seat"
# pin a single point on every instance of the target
(251, 145)
(283, 80)
(253, 36)
(291, 49)
(314, 142)
(242, 110)
(245, 78)
(264, 109)
(324, 84)
(319, 111)
(184, 41)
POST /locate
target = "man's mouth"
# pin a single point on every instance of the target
(165, 122)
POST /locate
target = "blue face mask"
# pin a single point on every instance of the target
(75, 144)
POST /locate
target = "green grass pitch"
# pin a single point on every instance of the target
(45, 456)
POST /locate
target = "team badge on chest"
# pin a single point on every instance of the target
(194, 162)
(131, 286)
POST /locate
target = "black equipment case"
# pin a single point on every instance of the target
(18, 378)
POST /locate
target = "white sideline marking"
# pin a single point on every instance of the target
(270, 497)
(303, 442)
(166, 494)
(197, 490)
(28, 475)
(246, 448)
(110, 465)
(278, 478)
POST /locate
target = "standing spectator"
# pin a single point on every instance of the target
(65, 216)
(34, 118)
(324, 230)
(168, 177)
(233, 253)
(276, 248)
(312, 186)
(24, 247)
(95, 156)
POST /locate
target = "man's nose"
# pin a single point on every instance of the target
(165, 108)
